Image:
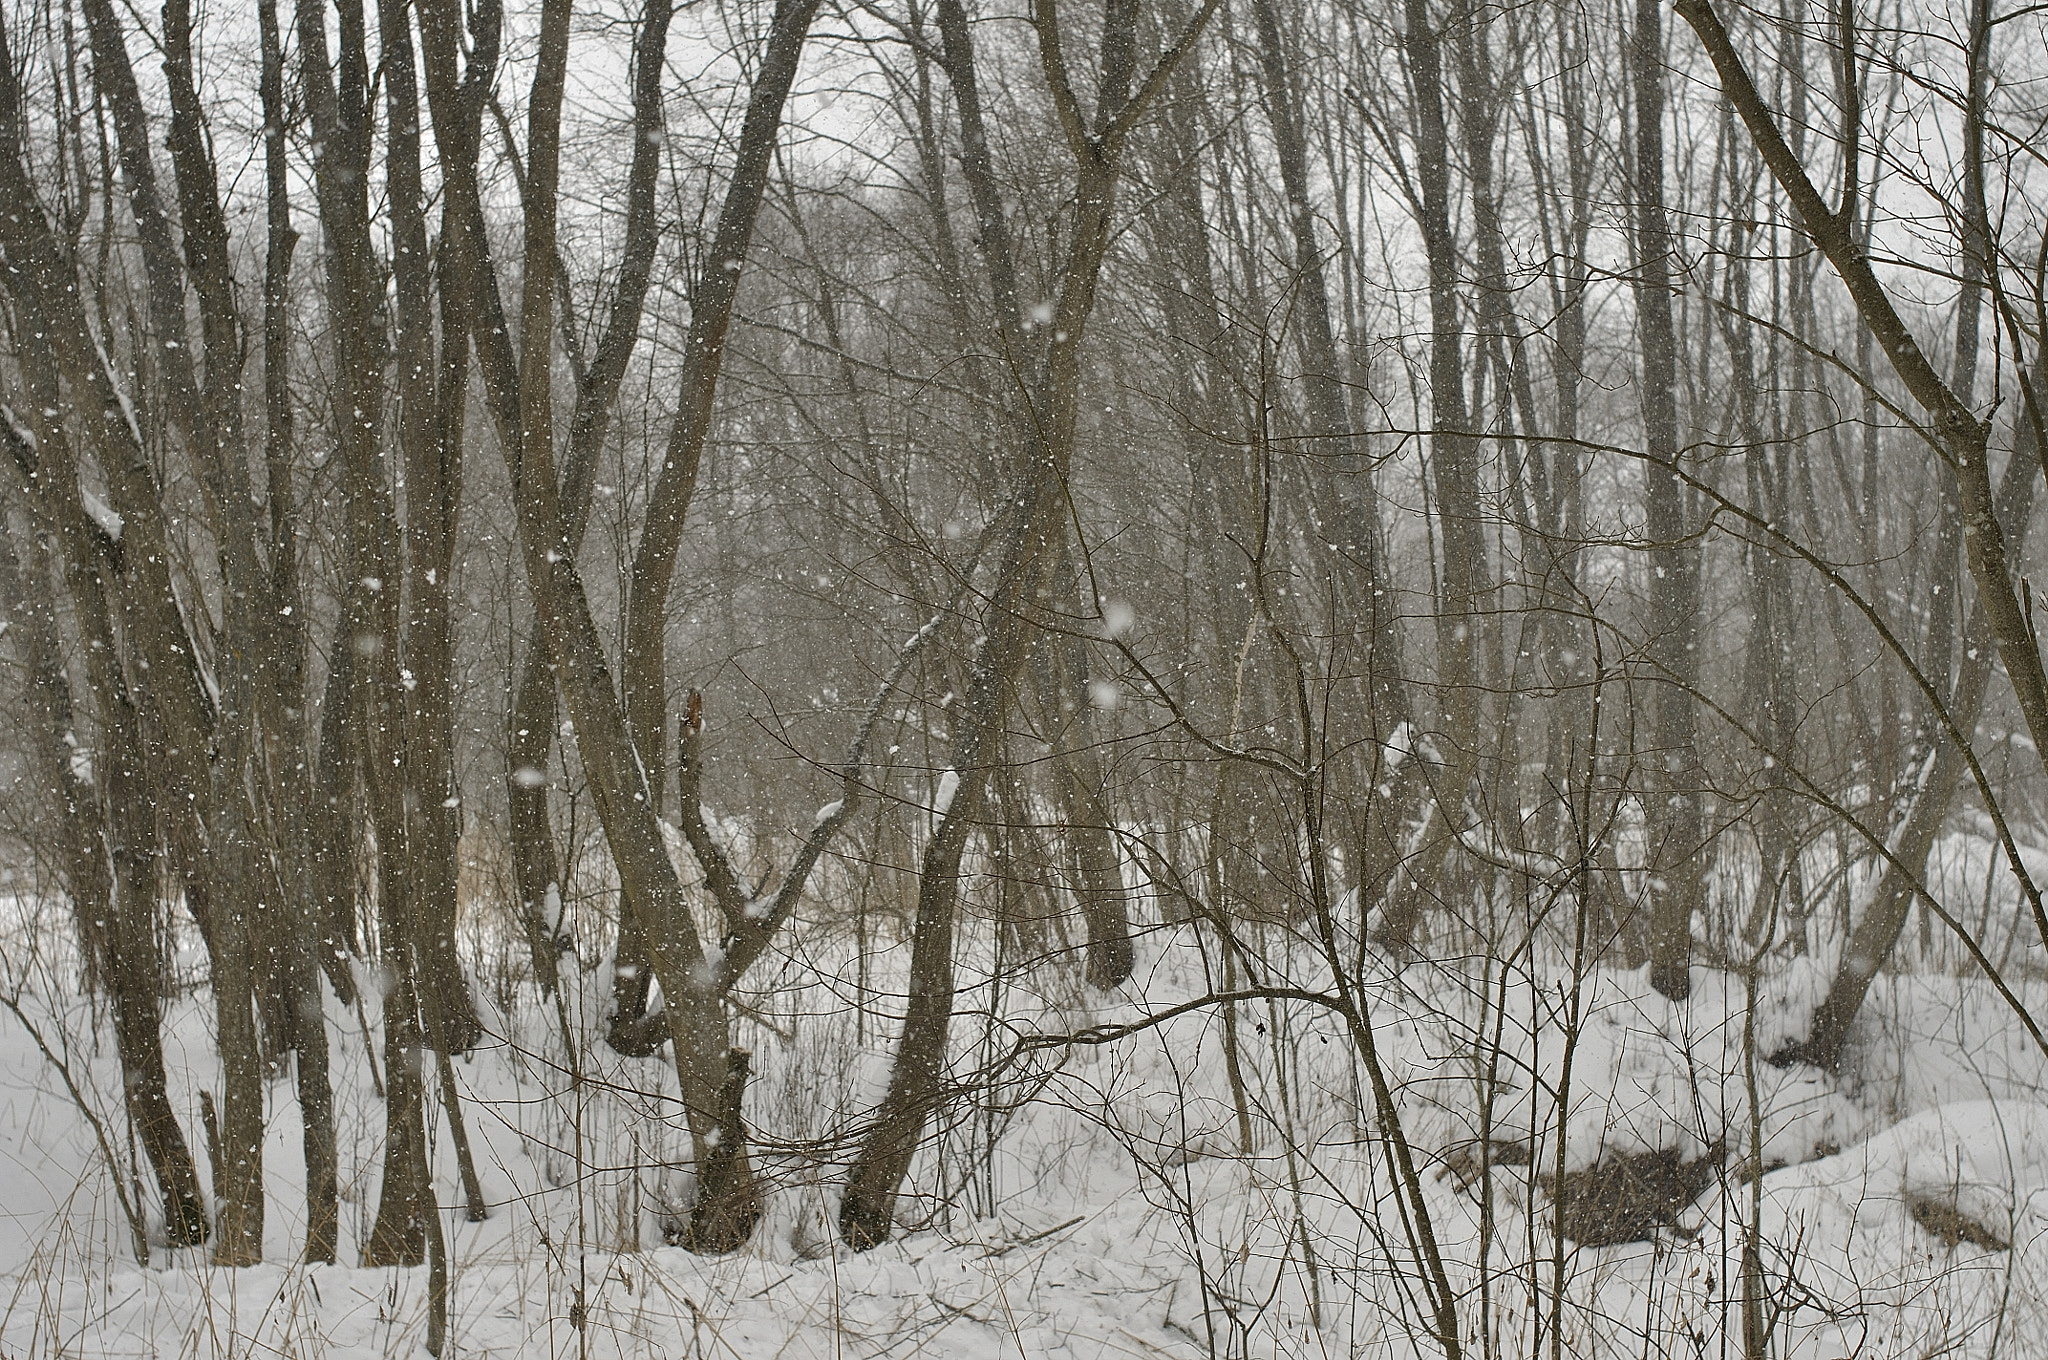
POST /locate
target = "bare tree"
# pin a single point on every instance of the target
(1051, 396)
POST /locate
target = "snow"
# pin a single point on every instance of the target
(19, 428)
(121, 400)
(942, 799)
(1648, 1074)
(1989, 1159)
(1116, 1213)
(1396, 748)
(105, 516)
(81, 758)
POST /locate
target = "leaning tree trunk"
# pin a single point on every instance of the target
(533, 718)
(867, 1208)
(207, 740)
(711, 309)
(1059, 658)
(1964, 436)
(1929, 799)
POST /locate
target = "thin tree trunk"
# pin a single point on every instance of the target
(458, 1129)
(712, 297)
(1677, 843)
(1769, 679)
(1088, 827)
(1397, 786)
(306, 924)
(532, 720)
(432, 392)
(405, 1199)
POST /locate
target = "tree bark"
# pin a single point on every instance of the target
(304, 880)
(532, 720)
(1677, 844)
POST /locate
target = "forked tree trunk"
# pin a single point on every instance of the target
(519, 396)
(712, 295)
(1059, 659)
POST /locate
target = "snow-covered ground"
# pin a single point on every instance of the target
(1101, 1201)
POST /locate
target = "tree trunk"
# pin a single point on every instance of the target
(1021, 588)
(1059, 660)
(533, 718)
(711, 306)
(1928, 801)
(519, 395)
(399, 1235)
(1678, 850)
(1396, 783)
(95, 832)
(728, 1203)
(222, 722)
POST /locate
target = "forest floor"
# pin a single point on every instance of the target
(1104, 1203)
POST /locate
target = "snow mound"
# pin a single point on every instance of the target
(1985, 1160)
(1638, 1072)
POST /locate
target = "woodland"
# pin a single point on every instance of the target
(1281, 677)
